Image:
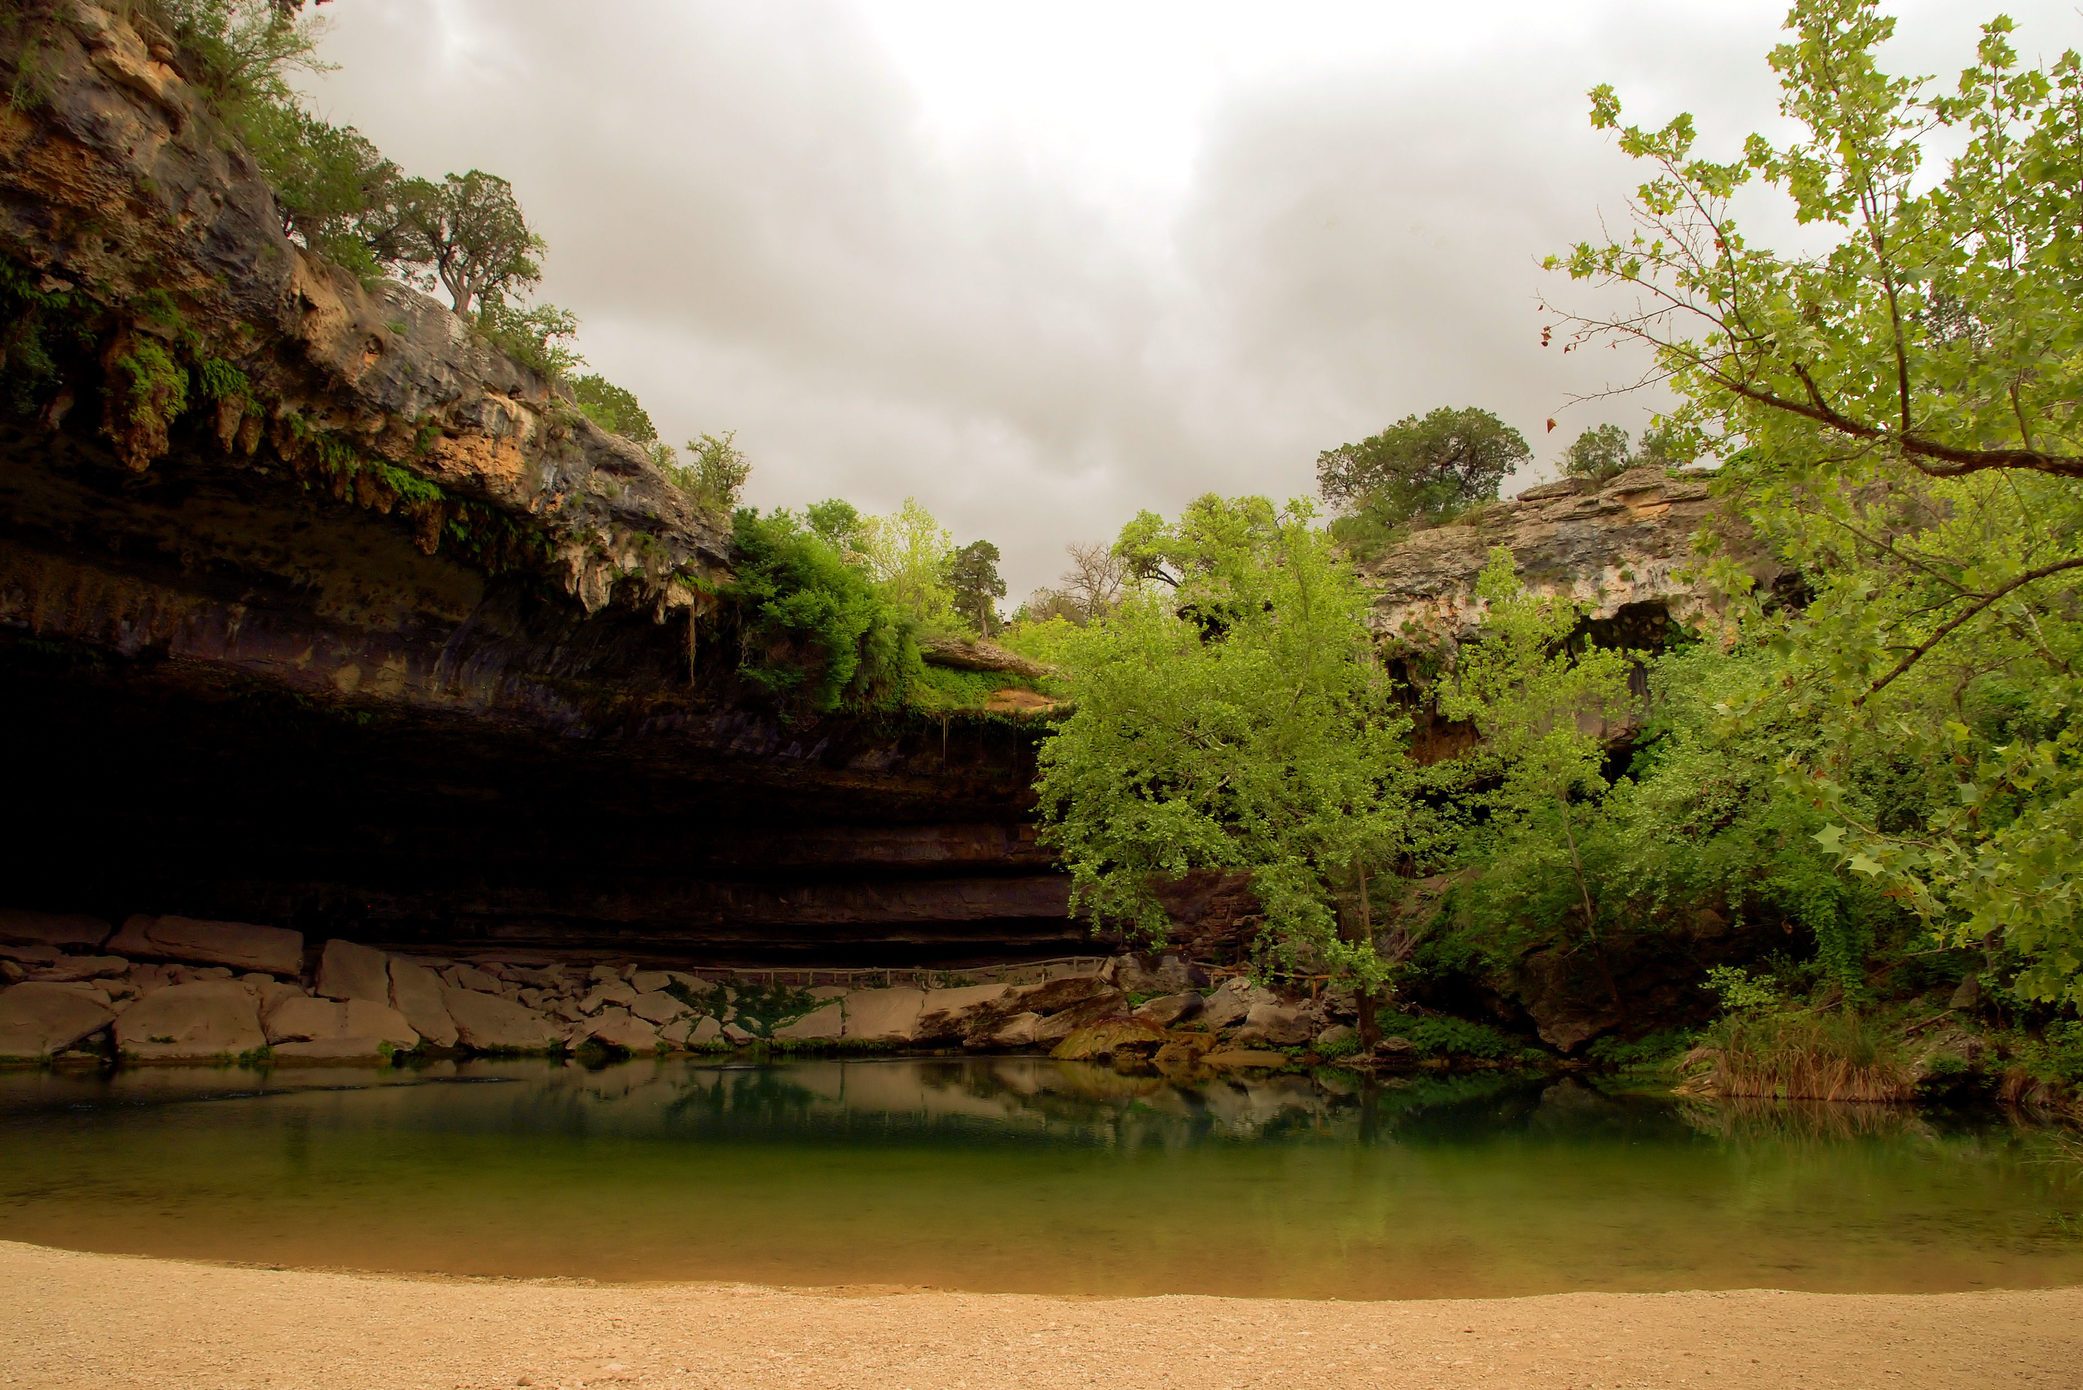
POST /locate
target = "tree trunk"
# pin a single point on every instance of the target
(1363, 998)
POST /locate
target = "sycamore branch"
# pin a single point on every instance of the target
(1947, 628)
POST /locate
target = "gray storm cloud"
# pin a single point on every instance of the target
(761, 230)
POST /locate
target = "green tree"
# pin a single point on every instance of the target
(1271, 747)
(1544, 710)
(715, 471)
(1422, 468)
(906, 553)
(813, 632)
(335, 192)
(838, 522)
(1597, 454)
(1894, 406)
(240, 53)
(972, 576)
(539, 336)
(613, 408)
(469, 234)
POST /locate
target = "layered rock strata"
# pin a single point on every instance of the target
(316, 610)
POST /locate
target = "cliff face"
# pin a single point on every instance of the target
(315, 609)
(1621, 550)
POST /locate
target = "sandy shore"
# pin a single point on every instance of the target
(118, 1321)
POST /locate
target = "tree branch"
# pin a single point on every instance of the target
(1946, 628)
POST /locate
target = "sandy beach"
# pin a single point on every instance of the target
(106, 1321)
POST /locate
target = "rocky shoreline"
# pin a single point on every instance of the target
(152, 989)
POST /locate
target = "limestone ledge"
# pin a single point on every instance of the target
(1624, 544)
(178, 989)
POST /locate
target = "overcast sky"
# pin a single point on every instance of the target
(1043, 265)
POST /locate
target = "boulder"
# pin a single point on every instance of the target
(416, 993)
(1232, 1001)
(615, 994)
(945, 1015)
(79, 968)
(704, 1033)
(191, 1022)
(59, 929)
(350, 971)
(1009, 1033)
(369, 1025)
(1338, 1040)
(490, 1023)
(1101, 1041)
(1054, 1028)
(656, 1006)
(649, 981)
(39, 1019)
(825, 1023)
(884, 1015)
(1275, 1025)
(239, 945)
(622, 1030)
(471, 978)
(1169, 1010)
(1057, 995)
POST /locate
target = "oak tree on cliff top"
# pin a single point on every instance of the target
(469, 233)
(1897, 414)
(1423, 469)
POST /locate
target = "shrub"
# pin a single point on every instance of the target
(1798, 1055)
(813, 632)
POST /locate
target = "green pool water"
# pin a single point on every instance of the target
(1025, 1174)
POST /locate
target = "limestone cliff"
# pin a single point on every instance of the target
(1618, 549)
(316, 610)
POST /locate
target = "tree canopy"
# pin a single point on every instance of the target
(1270, 746)
(1422, 468)
(1894, 407)
(1597, 454)
(469, 233)
(973, 579)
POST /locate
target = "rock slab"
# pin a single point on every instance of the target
(192, 1023)
(237, 945)
(347, 970)
(489, 1023)
(38, 1020)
